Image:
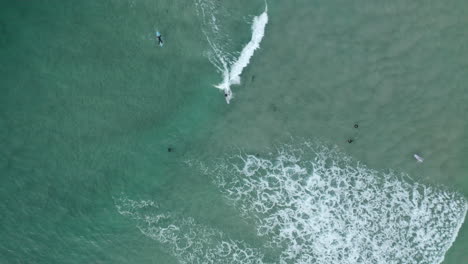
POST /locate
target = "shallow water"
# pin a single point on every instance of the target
(90, 104)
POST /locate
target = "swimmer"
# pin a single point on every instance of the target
(350, 141)
(356, 125)
(169, 149)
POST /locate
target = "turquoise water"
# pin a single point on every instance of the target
(90, 104)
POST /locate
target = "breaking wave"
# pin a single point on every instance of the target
(318, 206)
(228, 62)
(311, 204)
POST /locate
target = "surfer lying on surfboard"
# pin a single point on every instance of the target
(159, 37)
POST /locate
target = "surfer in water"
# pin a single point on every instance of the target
(227, 95)
(159, 37)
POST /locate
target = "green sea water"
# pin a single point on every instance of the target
(90, 105)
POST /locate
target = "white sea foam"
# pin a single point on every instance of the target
(313, 205)
(227, 63)
(232, 76)
(188, 241)
(317, 206)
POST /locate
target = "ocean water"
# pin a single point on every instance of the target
(229, 143)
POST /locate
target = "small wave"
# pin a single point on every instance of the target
(230, 65)
(317, 206)
(188, 241)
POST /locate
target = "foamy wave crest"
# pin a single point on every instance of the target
(188, 241)
(232, 76)
(227, 62)
(318, 206)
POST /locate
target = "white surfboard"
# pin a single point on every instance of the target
(418, 158)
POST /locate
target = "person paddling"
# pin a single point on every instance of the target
(159, 37)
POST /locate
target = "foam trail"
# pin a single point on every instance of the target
(223, 54)
(232, 75)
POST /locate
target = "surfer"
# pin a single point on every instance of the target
(159, 37)
(227, 95)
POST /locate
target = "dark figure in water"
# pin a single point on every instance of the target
(159, 37)
(356, 125)
(169, 149)
(350, 141)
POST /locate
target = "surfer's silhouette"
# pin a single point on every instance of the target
(159, 37)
